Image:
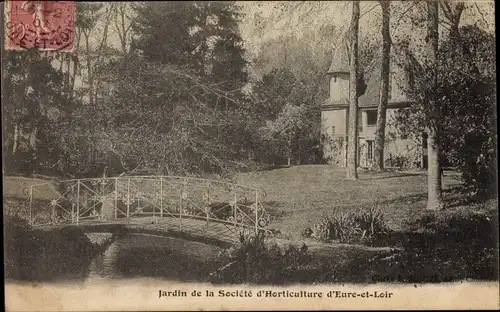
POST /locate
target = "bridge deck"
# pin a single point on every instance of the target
(213, 230)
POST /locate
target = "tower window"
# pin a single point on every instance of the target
(371, 118)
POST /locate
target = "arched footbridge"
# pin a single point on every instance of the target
(213, 209)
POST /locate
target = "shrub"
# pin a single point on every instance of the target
(335, 144)
(476, 161)
(255, 261)
(452, 246)
(480, 225)
(16, 209)
(398, 161)
(351, 226)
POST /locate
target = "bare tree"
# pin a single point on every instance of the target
(123, 23)
(434, 192)
(384, 87)
(69, 66)
(352, 173)
(101, 13)
(452, 10)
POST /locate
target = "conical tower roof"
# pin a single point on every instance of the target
(340, 61)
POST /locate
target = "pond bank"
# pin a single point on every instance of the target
(36, 255)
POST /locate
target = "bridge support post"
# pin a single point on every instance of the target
(128, 201)
(77, 202)
(207, 207)
(161, 197)
(235, 203)
(116, 198)
(180, 208)
(31, 206)
(53, 213)
(256, 213)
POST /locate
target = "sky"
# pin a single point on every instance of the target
(267, 20)
(264, 21)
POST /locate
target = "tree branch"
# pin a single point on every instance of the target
(373, 7)
(481, 13)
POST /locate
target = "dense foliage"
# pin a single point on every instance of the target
(464, 110)
(36, 105)
(285, 112)
(162, 103)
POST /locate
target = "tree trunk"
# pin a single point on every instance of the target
(74, 59)
(352, 148)
(453, 12)
(378, 163)
(67, 78)
(33, 133)
(434, 192)
(90, 73)
(289, 154)
(16, 139)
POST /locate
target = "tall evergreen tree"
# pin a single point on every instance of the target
(201, 35)
(162, 31)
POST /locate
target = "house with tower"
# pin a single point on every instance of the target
(399, 151)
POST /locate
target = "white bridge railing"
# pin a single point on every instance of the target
(130, 199)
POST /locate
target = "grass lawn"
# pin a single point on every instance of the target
(298, 196)
(18, 188)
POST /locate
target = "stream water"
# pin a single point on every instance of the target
(138, 255)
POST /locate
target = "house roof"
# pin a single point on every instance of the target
(397, 82)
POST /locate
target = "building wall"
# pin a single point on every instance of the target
(334, 122)
(333, 132)
(398, 152)
(368, 130)
(339, 87)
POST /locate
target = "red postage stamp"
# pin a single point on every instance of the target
(44, 25)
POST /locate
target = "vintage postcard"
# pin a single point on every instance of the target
(249, 155)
